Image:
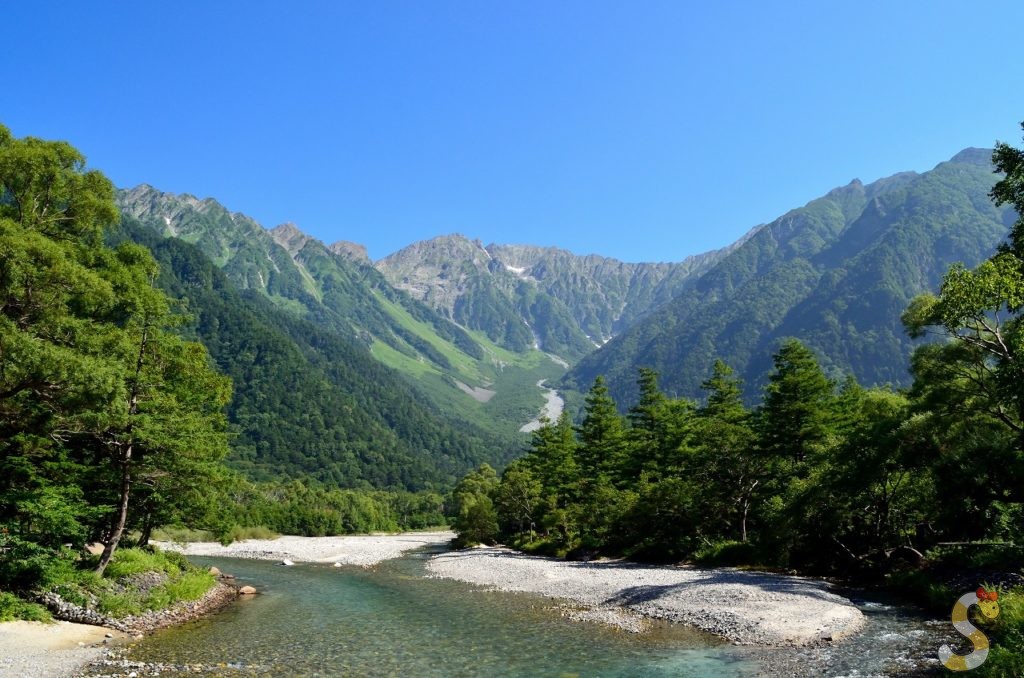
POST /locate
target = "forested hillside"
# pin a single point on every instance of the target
(836, 274)
(336, 291)
(308, 402)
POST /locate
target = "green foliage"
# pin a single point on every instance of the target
(258, 532)
(1006, 654)
(602, 450)
(13, 608)
(98, 394)
(823, 479)
(475, 519)
(726, 553)
(135, 561)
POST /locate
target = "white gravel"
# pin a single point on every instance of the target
(364, 550)
(58, 649)
(747, 608)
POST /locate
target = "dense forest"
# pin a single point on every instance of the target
(822, 476)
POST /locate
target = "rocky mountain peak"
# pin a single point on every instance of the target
(288, 236)
(350, 250)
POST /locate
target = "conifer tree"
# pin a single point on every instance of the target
(96, 391)
(797, 404)
(602, 450)
(732, 469)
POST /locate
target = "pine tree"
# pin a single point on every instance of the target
(731, 467)
(552, 458)
(798, 401)
(602, 450)
(96, 391)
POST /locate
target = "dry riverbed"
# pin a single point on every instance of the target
(58, 649)
(364, 550)
(747, 608)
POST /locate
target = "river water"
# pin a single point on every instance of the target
(317, 620)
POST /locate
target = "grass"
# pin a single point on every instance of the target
(512, 375)
(116, 593)
(399, 361)
(181, 535)
(463, 363)
(12, 607)
(137, 561)
(1006, 656)
(258, 532)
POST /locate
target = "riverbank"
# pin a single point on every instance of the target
(58, 649)
(746, 608)
(362, 550)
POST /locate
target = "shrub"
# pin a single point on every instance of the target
(12, 607)
(727, 553)
(238, 533)
(181, 535)
(1006, 656)
(134, 561)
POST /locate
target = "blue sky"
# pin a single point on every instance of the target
(644, 131)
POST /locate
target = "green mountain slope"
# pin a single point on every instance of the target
(335, 288)
(308, 402)
(836, 273)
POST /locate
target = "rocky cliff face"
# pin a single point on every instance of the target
(565, 303)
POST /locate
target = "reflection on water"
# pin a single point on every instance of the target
(321, 620)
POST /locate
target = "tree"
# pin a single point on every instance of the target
(970, 384)
(518, 499)
(659, 430)
(552, 458)
(602, 451)
(794, 418)
(476, 520)
(727, 462)
(94, 385)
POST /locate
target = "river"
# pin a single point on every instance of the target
(318, 620)
(391, 620)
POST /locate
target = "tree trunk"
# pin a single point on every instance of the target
(743, 522)
(122, 513)
(147, 530)
(126, 458)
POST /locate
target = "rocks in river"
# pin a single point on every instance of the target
(286, 562)
(247, 590)
(214, 571)
(337, 565)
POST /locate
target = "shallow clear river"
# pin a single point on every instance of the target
(318, 620)
(390, 620)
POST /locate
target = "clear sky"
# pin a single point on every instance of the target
(639, 130)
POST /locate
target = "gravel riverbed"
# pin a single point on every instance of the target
(58, 649)
(364, 550)
(746, 608)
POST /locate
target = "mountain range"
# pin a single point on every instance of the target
(441, 345)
